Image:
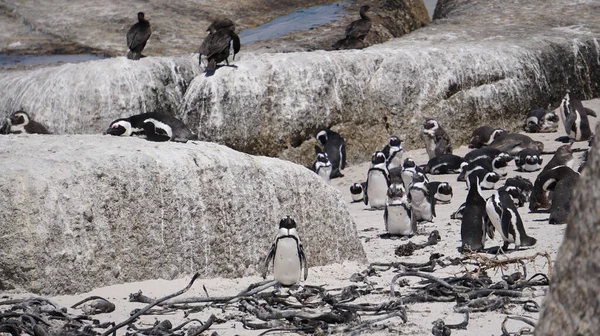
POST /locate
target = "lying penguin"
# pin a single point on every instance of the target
(287, 255)
(539, 120)
(398, 217)
(20, 122)
(484, 136)
(444, 164)
(154, 126)
(529, 160)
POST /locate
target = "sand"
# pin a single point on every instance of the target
(370, 226)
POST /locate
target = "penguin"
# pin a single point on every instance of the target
(395, 176)
(562, 157)
(529, 160)
(437, 141)
(335, 147)
(488, 152)
(513, 143)
(459, 213)
(545, 182)
(377, 182)
(398, 216)
(562, 192)
(444, 164)
(441, 191)
(474, 221)
(539, 120)
(575, 118)
(484, 136)
(137, 36)
(357, 192)
(287, 255)
(421, 199)
(322, 166)
(515, 194)
(409, 169)
(393, 152)
(487, 179)
(20, 122)
(154, 126)
(467, 167)
(505, 218)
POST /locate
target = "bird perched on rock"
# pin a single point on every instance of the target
(356, 32)
(21, 123)
(217, 45)
(154, 126)
(137, 36)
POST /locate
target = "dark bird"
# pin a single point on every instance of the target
(137, 36)
(356, 32)
(221, 24)
(217, 44)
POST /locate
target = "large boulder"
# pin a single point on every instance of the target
(572, 307)
(78, 212)
(479, 63)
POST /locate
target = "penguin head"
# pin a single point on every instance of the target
(409, 163)
(550, 117)
(287, 227)
(430, 124)
(538, 146)
(396, 191)
(322, 137)
(499, 162)
(19, 118)
(507, 157)
(496, 133)
(120, 127)
(491, 177)
(322, 157)
(564, 152)
(419, 177)
(515, 194)
(532, 125)
(395, 141)
(356, 189)
(378, 158)
(445, 189)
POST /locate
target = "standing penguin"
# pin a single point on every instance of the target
(335, 147)
(393, 153)
(575, 118)
(377, 182)
(529, 160)
(287, 255)
(322, 166)
(561, 198)
(410, 169)
(437, 141)
(474, 221)
(421, 199)
(484, 136)
(137, 36)
(398, 217)
(503, 214)
(21, 123)
(154, 126)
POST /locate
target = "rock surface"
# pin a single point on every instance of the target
(84, 211)
(572, 306)
(478, 63)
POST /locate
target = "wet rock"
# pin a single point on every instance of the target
(572, 306)
(160, 210)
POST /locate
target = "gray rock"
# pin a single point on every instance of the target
(79, 212)
(477, 64)
(572, 306)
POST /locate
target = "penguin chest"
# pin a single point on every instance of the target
(398, 220)
(377, 189)
(286, 263)
(396, 161)
(407, 178)
(420, 205)
(325, 173)
(430, 146)
(357, 197)
(444, 198)
(529, 167)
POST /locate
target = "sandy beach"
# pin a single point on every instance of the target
(379, 250)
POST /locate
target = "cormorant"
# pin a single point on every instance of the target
(216, 46)
(356, 32)
(137, 36)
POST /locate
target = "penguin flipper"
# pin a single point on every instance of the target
(570, 122)
(343, 160)
(303, 260)
(365, 185)
(590, 112)
(268, 259)
(489, 227)
(443, 146)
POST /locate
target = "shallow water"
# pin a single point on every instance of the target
(6, 60)
(301, 19)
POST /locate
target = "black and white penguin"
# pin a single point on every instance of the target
(377, 182)
(562, 157)
(529, 160)
(513, 143)
(335, 147)
(437, 141)
(20, 122)
(398, 216)
(357, 192)
(441, 191)
(393, 152)
(410, 169)
(421, 199)
(322, 166)
(488, 152)
(503, 214)
(467, 167)
(484, 136)
(487, 179)
(474, 221)
(154, 126)
(540, 120)
(287, 255)
(515, 194)
(444, 164)
(137, 36)
(575, 118)
(545, 182)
